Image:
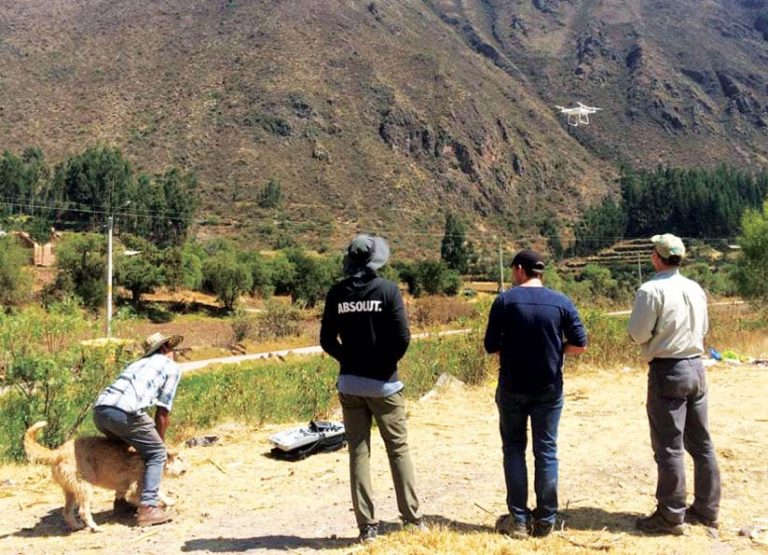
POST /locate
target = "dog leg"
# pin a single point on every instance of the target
(69, 511)
(85, 510)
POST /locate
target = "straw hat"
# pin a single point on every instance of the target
(157, 340)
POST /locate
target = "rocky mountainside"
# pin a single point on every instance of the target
(386, 114)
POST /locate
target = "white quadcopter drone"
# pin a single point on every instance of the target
(579, 114)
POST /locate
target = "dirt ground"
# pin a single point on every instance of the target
(234, 499)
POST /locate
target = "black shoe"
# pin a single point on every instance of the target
(542, 528)
(693, 516)
(658, 524)
(507, 525)
(368, 533)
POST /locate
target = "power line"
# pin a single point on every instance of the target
(85, 210)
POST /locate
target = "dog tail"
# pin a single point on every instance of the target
(35, 451)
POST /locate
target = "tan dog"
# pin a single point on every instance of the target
(82, 463)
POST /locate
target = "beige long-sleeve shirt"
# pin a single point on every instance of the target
(669, 318)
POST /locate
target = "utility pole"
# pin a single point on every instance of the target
(110, 222)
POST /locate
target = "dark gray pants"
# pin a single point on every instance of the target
(677, 413)
(138, 431)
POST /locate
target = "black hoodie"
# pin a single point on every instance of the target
(366, 312)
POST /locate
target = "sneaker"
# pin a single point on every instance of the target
(658, 524)
(148, 515)
(121, 508)
(693, 516)
(369, 533)
(508, 526)
(542, 528)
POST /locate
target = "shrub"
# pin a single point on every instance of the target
(278, 320)
(49, 375)
(436, 311)
(158, 314)
(270, 195)
(609, 342)
(226, 278)
(430, 277)
(243, 325)
(460, 355)
(15, 283)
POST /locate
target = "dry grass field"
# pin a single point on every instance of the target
(234, 499)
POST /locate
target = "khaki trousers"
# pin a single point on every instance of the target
(389, 413)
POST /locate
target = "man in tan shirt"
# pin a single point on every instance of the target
(669, 321)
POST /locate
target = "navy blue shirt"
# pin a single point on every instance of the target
(528, 326)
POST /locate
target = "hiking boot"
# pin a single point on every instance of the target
(508, 526)
(693, 516)
(122, 508)
(542, 528)
(148, 515)
(369, 533)
(658, 524)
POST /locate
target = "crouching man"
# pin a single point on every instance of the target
(119, 412)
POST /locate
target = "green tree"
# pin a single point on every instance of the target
(24, 182)
(283, 272)
(96, 183)
(140, 273)
(192, 267)
(81, 264)
(752, 266)
(226, 278)
(453, 249)
(599, 227)
(431, 277)
(261, 275)
(15, 281)
(313, 276)
(163, 207)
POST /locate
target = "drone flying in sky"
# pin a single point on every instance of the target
(579, 114)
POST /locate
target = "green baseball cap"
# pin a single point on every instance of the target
(668, 245)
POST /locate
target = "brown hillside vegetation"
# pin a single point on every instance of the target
(384, 114)
(381, 113)
(234, 500)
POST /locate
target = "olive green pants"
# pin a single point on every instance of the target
(389, 413)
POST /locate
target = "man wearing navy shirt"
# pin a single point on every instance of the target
(532, 328)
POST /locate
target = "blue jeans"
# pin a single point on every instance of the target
(544, 411)
(138, 431)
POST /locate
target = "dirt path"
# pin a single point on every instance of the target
(234, 499)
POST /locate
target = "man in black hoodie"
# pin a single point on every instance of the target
(366, 312)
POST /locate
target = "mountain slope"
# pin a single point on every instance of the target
(385, 115)
(682, 82)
